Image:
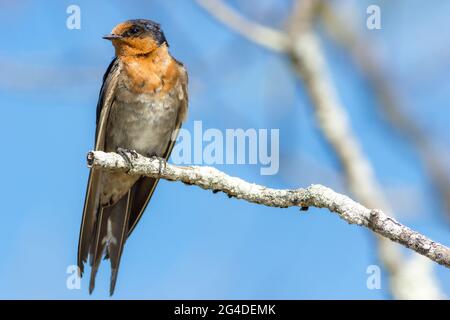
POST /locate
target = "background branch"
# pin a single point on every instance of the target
(262, 35)
(318, 196)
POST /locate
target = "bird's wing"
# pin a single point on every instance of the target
(144, 187)
(91, 204)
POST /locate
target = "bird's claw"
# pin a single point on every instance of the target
(162, 164)
(124, 154)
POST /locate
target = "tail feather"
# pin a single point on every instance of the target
(87, 230)
(97, 246)
(119, 228)
(110, 236)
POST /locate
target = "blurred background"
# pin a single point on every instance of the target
(193, 244)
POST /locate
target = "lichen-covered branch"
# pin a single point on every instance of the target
(318, 196)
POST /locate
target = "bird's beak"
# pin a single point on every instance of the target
(112, 37)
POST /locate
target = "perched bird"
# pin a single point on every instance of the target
(142, 102)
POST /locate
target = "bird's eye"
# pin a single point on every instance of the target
(134, 30)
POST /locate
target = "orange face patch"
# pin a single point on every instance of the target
(127, 46)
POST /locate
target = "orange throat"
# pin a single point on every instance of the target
(154, 72)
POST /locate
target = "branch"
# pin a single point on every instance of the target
(311, 65)
(264, 36)
(307, 59)
(392, 105)
(318, 196)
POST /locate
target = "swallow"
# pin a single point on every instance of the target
(142, 103)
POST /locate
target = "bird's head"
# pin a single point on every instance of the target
(137, 37)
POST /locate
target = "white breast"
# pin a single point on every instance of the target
(142, 122)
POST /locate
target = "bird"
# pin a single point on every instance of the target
(142, 104)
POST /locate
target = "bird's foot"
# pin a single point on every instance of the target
(162, 164)
(124, 154)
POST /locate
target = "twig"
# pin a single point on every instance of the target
(318, 196)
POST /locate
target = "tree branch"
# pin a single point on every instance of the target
(310, 63)
(318, 196)
(264, 36)
(409, 278)
(391, 103)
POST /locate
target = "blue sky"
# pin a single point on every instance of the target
(191, 243)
